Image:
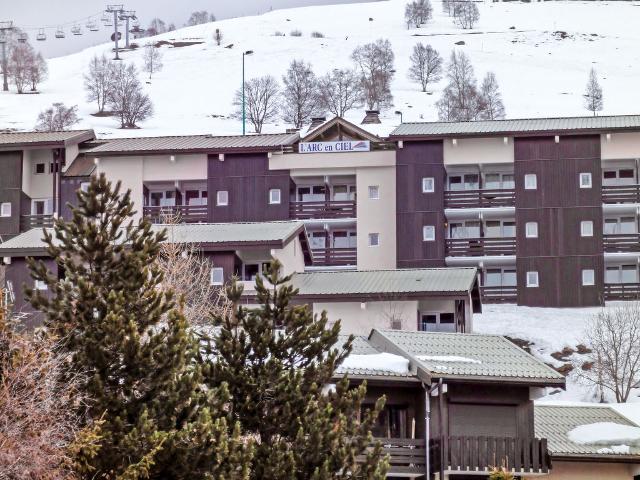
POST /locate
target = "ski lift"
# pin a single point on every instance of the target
(41, 36)
(76, 30)
(107, 20)
(92, 26)
(60, 33)
(22, 37)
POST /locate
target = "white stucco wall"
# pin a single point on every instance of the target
(357, 320)
(185, 167)
(590, 471)
(130, 171)
(291, 257)
(41, 185)
(472, 151)
(300, 161)
(620, 145)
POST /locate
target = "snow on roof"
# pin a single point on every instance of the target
(379, 362)
(605, 433)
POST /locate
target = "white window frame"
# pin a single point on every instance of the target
(530, 282)
(584, 224)
(589, 180)
(531, 234)
(220, 272)
(428, 233)
(222, 202)
(428, 185)
(5, 209)
(40, 285)
(371, 237)
(273, 192)
(587, 282)
(374, 192)
(530, 181)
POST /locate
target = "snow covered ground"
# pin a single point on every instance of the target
(540, 73)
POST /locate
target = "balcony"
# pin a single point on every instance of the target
(480, 198)
(499, 294)
(620, 194)
(327, 209)
(27, 222)
(185, 213)
(480, 247)
(407, 456)
(334, 257)
(622, 291)
(621, 242)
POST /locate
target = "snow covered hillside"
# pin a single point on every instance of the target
(541, 73)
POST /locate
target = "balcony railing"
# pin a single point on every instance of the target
(504, 197)
(622, 291)
(479, 247)
(185, 213)
(406, 456)
(27, 222)
(499, 294)
(621, 194)
(621, 242)
(334, 257)
(323, 209)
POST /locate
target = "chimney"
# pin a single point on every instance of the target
(316, 122)
(372, 116)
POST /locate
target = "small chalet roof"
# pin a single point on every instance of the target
(362, 346)
(524, 126)
(374, 283)
(329, 129)
(44, 139)
(554, 422)
(195, 144)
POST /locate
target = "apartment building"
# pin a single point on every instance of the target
(546, 208)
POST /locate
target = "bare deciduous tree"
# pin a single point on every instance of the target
(300, 94)
(340, 91)
(126, 97)
(417, 13)
(466, 13)
(614, 339)
(21, 58)
(217, 36)
(375, 61)
(152, 59)
(426, 65)
(593, 99)
(491, 99)
(156, 27)
(261, 101)
(57, 117)
(98, 81)
(38, 71)
(200, 17)
(460, 99)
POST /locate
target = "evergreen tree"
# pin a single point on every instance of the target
(593, 99)
(129, 339)
(276, 359)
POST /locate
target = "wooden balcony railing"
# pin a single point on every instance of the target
(185, 213)
(621, 242)
(622, 291)
(479, 247)
(332, 257)
(406, 455)
(499, 294)
(621, 194)
(323, 209)
(504, 197)
(27, 222)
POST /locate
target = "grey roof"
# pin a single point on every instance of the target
(515, 126)
(44, 138)
(555, 422)
(380, 282)
(194, 143)
(28, 242)
(362, 346)
(486, 356)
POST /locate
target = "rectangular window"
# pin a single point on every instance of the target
(217, 276)
(531, 229)
(509, 278)
(455, 182)
(626, 173)
(532, 279)
(610, 226)
(586, 228)
(492, 229)
(530, 181)
(39, 168)
(508, 229)
(374, 192)
(612, 275)
(5, 209)
(429, 233)
(222, 198)
(274, 196)
(428, 185)
(588, 277)
(40, 285)
(585, 180)
(492, 181)
(629, 274)
(374, 239)
(493, 277)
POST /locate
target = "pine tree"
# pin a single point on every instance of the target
(593, 99)
(276, 359)
(129, 339)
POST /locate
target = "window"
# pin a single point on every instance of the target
(252, 270)
(374, 239)
(588, 277)
(42, 207)
(312, 194)
(217, 276)
(532, 279)
(428, 185)
(429, 233)
(40, 285)
(222, 198)
(374, 192)
(39, 168)
(586, 228)
(628, 274)
(530, 181)
(468, 181)
(84, 186)
(437, 322)
(274, 196)
(5, 209)
(344, 192)
(585, 180)
(531, 229)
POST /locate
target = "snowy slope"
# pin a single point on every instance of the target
(540, 74)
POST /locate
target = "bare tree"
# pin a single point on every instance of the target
(261, 101)
(426, 65)
(200, 17)
(217, 36)
(300, 95)
(126, 97)
(19, 65)
(614, 339)
(375, 61)
(156, 27)
(38, 71)
(152, 59)
(466, 13)
(417, 13)
(57, 117)
(491, 99)
(593, 99)
(447, 6)
(460, 99)
(340, 91)
(410, 15)
(98, 81)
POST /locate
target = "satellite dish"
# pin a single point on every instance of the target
(113, 36)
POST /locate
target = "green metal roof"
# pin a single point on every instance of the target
(518, 126)
(28, 242)
(555, 422)
(362, 346)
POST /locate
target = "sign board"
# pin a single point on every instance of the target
(335, 147)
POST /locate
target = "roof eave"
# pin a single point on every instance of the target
(582, 457)
(487, 379)
(185, 151)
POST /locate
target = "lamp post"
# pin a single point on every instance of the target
(398, 112)
(244, 115)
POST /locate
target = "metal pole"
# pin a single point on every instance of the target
(5, 82)
(126, 35)
(243, 111)
(115, 34)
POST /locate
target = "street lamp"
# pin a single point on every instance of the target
(244, 115)
(398, 112)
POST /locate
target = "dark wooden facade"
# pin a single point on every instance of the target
(17, 276)
(11, 191)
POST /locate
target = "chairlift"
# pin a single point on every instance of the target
(41, 36)
(60, 33)
(107, 20)
(22, 37)
(92, 26)
(76, 30)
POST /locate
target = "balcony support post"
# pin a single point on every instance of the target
(442, 433)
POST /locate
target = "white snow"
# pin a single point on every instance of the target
(615, 449)
(447, 358)
(605, 433)
(539, 73)
(384, 362)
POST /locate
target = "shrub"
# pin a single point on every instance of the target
(278, 33)
(296, 33)
(317, 35)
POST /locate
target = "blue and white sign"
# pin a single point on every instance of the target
(335, 147)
